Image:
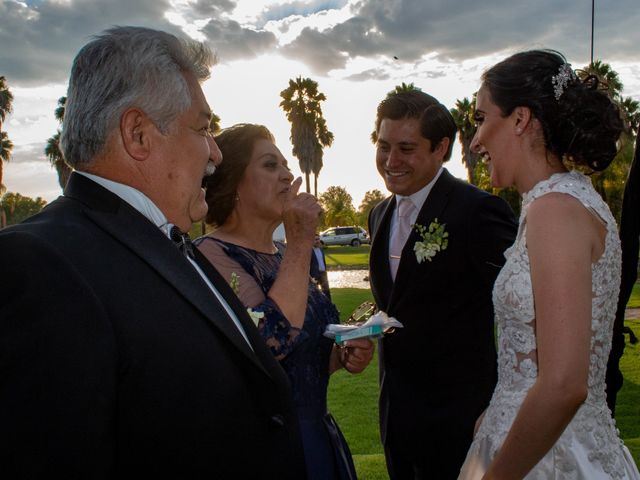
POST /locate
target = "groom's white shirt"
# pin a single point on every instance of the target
(418, 198)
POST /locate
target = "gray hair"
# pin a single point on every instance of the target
(127, 67)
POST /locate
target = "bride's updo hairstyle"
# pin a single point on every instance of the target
(580, 123)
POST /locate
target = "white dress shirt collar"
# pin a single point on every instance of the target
(418, 198)
(135, 198)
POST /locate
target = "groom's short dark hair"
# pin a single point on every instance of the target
(436, 122)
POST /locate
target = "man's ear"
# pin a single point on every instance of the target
(522, 119)
(443, 147)
(135, 131)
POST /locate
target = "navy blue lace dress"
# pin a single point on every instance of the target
(304, 355)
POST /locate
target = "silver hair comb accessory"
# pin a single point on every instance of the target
(561, 80)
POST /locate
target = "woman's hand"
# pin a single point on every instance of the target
(356, 354)
(300, 215)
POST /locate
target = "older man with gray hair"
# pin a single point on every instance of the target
(122, 352)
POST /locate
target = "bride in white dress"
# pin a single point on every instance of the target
(555, 298)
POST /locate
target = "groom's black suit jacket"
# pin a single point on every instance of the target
(117, 361)
(438, 372)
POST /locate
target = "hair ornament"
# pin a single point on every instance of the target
(561, 80)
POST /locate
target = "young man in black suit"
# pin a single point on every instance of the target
(439, 371)
(122, 357)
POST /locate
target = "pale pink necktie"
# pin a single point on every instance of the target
(400, 234)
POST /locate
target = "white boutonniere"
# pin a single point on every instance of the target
(234, 283)
(255, 316)
(434, 239)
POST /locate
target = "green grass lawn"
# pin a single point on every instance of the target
(353, 399)
(339, 258)
(628, 402)
(634, 300)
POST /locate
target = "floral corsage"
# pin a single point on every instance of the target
(434, 239)
(234, 283)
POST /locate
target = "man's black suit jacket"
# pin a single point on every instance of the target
(320, 276)
(117, 361)
(630, 243)
(439, 371)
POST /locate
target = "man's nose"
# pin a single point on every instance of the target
(393, 157)
(215, 155)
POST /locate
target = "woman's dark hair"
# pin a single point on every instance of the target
(236, 144)
(582, 125)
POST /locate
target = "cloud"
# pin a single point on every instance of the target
(316, 50)
(231, 41)
(325, 34)
(207, 8)
(370, 74)
(463, 29)
(28, 153)
(299, 8)
(44, 37)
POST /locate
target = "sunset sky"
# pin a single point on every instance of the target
(357, 50)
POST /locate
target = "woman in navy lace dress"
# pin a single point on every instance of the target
(249, 195)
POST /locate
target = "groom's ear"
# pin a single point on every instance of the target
(442, 147)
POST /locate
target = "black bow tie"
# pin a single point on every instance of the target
(183, 242)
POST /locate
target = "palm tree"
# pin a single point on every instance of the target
(6, 107)
(5, 154)
(463, 115)
(309, 133)
(6, 100)
(52, 148)
(403, 87)
(59, 112)
(214, 123)
(54, 154)
(608, 77)
(630, 109)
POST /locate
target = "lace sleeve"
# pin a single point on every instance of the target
(280, 336)
(233, 263)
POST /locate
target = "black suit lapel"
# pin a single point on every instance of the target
(431, 209)
(137, 233)
(239, 309)
(380, 272)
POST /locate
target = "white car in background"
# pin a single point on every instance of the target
(354, 236)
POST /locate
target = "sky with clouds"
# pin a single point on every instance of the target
(357, 50)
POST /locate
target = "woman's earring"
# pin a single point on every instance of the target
(237, 198)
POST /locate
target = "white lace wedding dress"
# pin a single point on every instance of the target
(589, 448)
